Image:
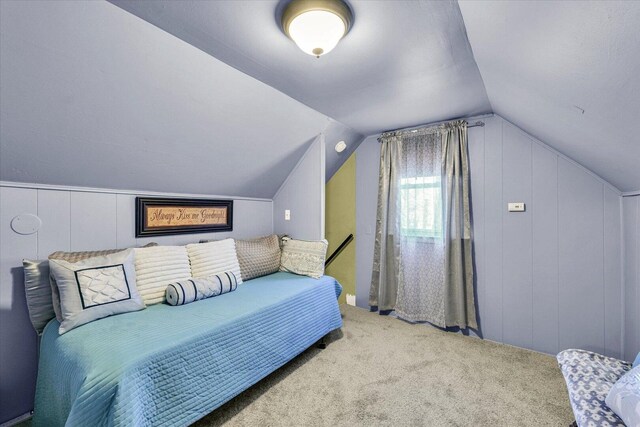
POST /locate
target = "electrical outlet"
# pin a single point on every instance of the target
(516, 207)
(351, 299)
(287, 215)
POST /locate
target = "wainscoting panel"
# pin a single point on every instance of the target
(54, 209)
(613, 264)
(93, 221)
(478, 216)
(547, 278)
(632, 276)
(77, 220)
(126, 214)
(517, 286)
(18, 358)
(581, 258)
(492, 285)
(544, 211)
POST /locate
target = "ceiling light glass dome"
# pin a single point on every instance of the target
(316, 26)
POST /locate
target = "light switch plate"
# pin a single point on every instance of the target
(516, 207)
(287, 215)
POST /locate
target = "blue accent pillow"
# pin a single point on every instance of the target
(636, 362)
(624, 397)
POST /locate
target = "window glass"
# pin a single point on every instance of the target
(421, 207)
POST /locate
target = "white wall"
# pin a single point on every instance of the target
(367, 172)
(631, 207)
(303, 195)
(546, 279)
(73, 220)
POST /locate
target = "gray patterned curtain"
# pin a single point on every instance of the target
(423, 266)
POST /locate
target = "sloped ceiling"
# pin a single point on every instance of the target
(94, 96)
(568, 73)
(403, 63)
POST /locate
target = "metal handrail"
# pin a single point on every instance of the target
(338, 250)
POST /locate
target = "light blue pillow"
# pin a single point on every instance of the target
(624, 397)
(636, 362)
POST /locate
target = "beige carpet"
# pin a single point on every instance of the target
(382, 371)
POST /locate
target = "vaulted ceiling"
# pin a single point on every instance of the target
(566, 72)
(403, 63)
(93, 95)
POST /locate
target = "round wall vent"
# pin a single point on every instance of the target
(26, 224)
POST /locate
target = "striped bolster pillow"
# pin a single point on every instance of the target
(186, 291)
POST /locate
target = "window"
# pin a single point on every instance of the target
(421, 207)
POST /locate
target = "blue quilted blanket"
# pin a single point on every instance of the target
(172, 365)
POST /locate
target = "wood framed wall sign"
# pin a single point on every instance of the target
(159, 216)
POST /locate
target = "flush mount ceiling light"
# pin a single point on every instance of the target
(340, 146)
(316, 26)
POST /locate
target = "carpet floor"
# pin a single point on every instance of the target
(380, 371)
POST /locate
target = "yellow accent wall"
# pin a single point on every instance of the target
(340, 221)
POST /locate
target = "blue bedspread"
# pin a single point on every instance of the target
(172, 365)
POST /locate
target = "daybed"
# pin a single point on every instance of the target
(169, 365)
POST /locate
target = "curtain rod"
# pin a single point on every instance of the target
(478, 123)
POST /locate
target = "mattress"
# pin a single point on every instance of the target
(169, 365)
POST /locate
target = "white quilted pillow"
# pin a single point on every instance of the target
(157, 267)
(95, 288)
(212, 258)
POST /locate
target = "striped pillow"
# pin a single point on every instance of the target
(212, 258)
(186, 291)
(157, 267)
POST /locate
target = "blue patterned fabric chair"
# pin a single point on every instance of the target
(589, 377)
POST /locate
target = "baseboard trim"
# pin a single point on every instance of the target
(16, 420)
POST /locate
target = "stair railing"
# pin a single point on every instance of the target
(340, 248)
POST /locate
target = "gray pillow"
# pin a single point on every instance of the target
(258, 257)
(38, 293)
(95, 288)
